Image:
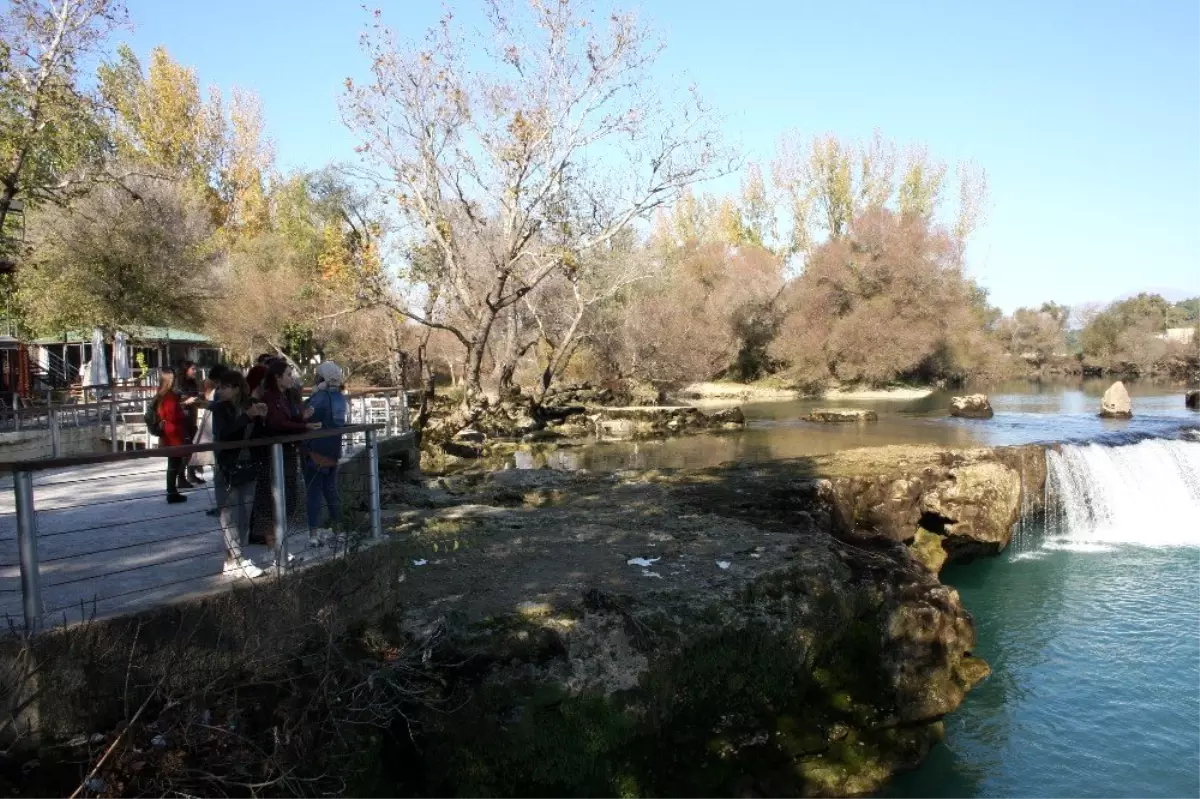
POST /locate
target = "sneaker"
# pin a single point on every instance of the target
(196, 480)
(176, 498)
(232, 566)
(249, 569)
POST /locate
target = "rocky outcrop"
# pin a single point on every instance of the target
(618, 393)
(839, 415)
(657, 422)
(969, 498)
(674, 633)
(1192, 400)
(972, 406)
(1115, 404)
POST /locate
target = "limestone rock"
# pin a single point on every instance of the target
(972, 406)
(971, 497)
(976, 507)
(1192, 400)
(837, 415)
(836, 657)
(1115, 404)
(927, 548)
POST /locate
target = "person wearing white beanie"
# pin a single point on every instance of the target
(320, 463)
(329, 374)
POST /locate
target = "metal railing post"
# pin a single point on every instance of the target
(279, 503)
(406, 419)
(373, 483)
(55, 439)
(112, 423)
(31, 589)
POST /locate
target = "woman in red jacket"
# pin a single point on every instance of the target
(172, 413)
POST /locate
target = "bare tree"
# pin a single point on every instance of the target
(551, 143)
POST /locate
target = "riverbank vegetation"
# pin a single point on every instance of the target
(546, 218)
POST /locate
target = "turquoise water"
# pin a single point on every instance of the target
(1095, 689)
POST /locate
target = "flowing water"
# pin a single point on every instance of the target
(1091, 622)
(1025, 413)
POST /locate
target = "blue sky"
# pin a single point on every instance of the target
(1086, 116)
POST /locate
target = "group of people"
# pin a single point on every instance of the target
(231, 407)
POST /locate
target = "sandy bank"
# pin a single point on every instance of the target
(726, 393)
(878, 394)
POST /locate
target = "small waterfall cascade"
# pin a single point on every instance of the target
(1145, 494)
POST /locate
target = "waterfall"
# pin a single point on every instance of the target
(1145, 494)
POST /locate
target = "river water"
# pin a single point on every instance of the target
(1025, 413)
(1090, 620)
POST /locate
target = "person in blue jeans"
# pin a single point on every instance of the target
(321, 455)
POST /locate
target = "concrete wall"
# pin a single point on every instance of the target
(33, 444)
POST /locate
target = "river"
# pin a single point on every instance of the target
(1025, 413)
(1090, 620)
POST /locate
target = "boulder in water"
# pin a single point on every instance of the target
(836, 415)
(1192, 400)
(1115, 404)
(972, 406)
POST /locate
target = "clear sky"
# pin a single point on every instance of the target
(1086, 115)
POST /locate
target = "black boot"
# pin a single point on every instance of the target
(175, 499)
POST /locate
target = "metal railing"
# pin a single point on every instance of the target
(119, 418)
(91, 535)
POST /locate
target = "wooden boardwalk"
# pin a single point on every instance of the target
(109, 543)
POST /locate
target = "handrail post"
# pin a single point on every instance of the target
(31, 590)
(405, 417)
(55, 440)
(112, 422)
(373, 483)
(279, 503)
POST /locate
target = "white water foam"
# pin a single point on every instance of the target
(1145, 494)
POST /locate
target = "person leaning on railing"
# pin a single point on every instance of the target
(236, 417)
(282, 419)
(327, 407)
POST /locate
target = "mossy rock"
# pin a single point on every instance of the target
(927, 548)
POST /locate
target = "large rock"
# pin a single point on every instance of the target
(972, 406)
(1115, 404)
(1192, 400)
(678, 633)
(839, 415)
(970, 498)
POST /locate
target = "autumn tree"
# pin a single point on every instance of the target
(121, 256)
(518, 151)
(826, 182)
(161, 117)
(1036, 336)
(1130, 336)
(887, 300)
(284, 285)
(49, 140)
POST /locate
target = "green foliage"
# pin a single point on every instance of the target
(118, 258)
